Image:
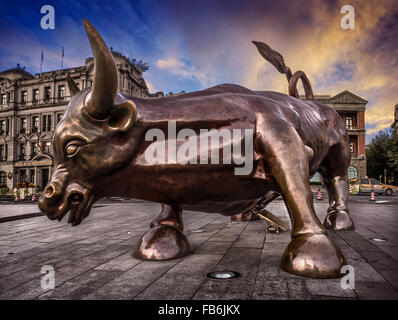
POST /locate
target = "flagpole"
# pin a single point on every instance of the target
(62, 59)
(41, 62)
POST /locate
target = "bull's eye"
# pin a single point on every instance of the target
(71, 149)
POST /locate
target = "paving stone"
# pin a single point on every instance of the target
(81, 285)
(371, 290)
(120, 263)
(328, 287)
(281, 287)
(94, 260)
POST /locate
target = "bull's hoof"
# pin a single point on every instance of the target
(162, 242)
(245, 216)
(313, 255)
(338, 221)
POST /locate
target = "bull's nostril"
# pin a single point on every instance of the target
(49, 191)
(76, 197)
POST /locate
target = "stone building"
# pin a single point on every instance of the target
(352, 110)
(30, 109)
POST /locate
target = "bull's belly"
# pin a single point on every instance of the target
(201, 188)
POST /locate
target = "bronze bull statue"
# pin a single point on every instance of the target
(99, 150)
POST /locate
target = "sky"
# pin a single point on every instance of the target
(193, 45)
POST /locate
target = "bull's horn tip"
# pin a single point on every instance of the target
(87, 25)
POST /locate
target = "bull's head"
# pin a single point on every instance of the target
(92, 139)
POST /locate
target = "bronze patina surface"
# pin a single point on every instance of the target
(99, 148)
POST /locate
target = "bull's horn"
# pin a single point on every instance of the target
(104, 90)
(73, 88)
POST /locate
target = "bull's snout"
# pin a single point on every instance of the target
(50, 199)
(57, 199)
(52, 193)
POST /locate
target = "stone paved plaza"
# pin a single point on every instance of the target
(94, 260)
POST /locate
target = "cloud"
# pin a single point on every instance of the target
(217, 40)
(150, 87)
(191, 45)
(183, 70)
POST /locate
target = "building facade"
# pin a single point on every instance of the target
(30, 109)
(351, 108)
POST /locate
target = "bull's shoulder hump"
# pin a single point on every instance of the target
(220, 102)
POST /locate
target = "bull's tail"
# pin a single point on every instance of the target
(276, 59)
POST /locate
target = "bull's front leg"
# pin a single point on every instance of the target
(165, 239)
(311, 252)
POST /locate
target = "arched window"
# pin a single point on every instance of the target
(3, 178)
(352, 172)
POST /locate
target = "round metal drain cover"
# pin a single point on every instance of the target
(378, 239)
(223, 275)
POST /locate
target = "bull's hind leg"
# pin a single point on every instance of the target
(251, 214)
(334, 173)
(311, 252)
(165, 239)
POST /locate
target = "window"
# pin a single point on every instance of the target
(59, 117)
(364, 181)
(47, 93)
(22, 151)
(374, 181)
(48, 147)
(22, 175)
(3, 99)
(35, 123)
(32, 176)
(2, 127)
(61, 91)
(348, 122)
(3, 178)
(2, 152)
(46, 123)
(35, 95)
(352, 172)
(23, 125)
(24, 96)
(34, 149)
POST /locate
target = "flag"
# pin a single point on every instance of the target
(42, 55)
(62, 52)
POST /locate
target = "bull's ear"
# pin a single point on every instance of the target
(123, 116)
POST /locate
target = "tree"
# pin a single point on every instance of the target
(392, 155)
(143, 66)
(381, 154)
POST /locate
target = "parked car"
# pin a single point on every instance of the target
(367, 185)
